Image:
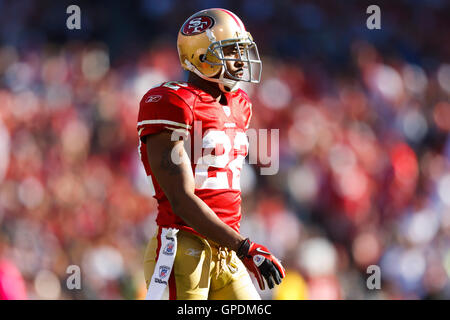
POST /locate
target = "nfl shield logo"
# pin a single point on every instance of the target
(163, 271)
(168, 250)
(258, 260)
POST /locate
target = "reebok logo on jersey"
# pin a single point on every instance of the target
(154, 98)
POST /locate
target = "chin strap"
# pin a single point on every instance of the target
(225, 85)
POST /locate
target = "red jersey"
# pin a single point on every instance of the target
(218, 142)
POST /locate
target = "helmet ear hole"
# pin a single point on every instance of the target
(202, 57)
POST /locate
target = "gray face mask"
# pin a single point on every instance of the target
(247, 54)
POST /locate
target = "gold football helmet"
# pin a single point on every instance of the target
(200, 44)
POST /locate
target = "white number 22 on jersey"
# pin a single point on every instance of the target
(211, 140)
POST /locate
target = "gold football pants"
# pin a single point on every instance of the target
(194, 269)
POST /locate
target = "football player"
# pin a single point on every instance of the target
(197, 251)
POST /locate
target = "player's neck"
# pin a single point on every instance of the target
(209, 87)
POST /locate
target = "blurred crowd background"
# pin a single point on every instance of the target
(364, 117)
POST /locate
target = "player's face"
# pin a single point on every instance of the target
(236, 68)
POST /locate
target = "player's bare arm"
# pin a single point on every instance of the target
(177, 182)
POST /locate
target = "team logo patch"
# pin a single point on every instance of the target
(163, 271)
(258, 260)
(168, 250)
(154, 98)
(197, 25)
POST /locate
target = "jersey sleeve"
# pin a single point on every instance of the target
(161, 110)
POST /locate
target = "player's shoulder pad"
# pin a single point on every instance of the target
(243, 95)
(178, 89)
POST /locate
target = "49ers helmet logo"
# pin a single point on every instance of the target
(197, 25)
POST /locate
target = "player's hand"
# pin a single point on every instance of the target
(261, 263)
